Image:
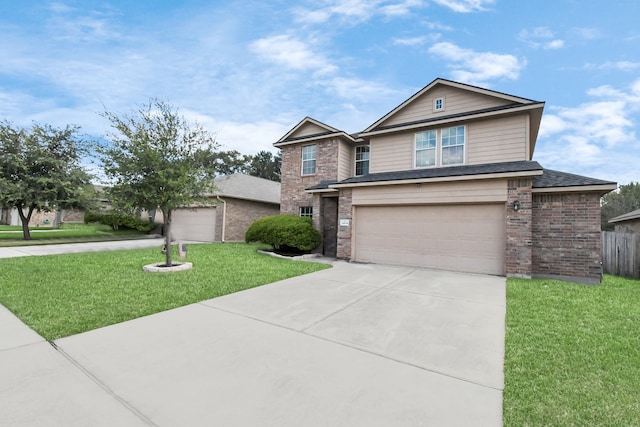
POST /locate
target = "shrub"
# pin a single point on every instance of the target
(285, 233)
(117, 221)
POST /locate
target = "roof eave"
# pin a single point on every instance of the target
(599, 188)
(495, 175)
(312, 138)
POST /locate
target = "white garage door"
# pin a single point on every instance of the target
(467, 238)
(197, 225)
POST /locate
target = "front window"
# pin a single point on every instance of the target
(308, 160)
(453, 146)
(426, 149)
(306, 211)
(362, 160)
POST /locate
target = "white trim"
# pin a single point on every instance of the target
(315, 160)
(415, 150)
(576, 188)
(442, 105)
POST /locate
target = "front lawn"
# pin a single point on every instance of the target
(62, 295)
(67, 233)
(572, 353)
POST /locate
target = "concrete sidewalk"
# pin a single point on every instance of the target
(355, 345)
(66, 248)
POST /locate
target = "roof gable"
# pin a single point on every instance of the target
(458, 98)
(309, 129)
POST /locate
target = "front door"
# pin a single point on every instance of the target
(329, 226)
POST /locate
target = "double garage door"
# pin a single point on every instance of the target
(467, 238)
(197, 225)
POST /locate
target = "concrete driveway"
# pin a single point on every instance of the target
(355, 345)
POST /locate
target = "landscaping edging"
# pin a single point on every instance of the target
(158, 267)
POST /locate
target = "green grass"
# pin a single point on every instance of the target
(62, 295)
(572, 353)
(68, 233)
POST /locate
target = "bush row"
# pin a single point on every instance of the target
(117, 221)
(284, 233)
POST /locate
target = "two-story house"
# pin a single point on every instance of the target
(445, 181)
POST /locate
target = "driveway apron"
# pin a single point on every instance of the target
(355, 345)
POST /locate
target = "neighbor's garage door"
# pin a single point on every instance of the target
(467, 238)
(198, 225)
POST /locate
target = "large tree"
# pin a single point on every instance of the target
(625, 199)
(40, 170)
(265, 165)
(154, 159)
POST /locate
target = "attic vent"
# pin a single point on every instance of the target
(438, 104)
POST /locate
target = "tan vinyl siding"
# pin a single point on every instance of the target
(479, 191)
(308, 129)
(345, 160)
(497, 140)
(487, 141)
(392, 153)
(456, 101)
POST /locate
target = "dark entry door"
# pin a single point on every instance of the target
(329, 226)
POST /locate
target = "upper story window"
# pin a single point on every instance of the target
(450, 147)
(453, 146)
(308, 160)
(362, 160)
(426, 149)
(438, 104)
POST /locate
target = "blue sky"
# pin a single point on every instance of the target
(250, 70)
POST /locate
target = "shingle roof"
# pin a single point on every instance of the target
(552, 178)
(248, 187)
(451, 171)
(323, 185)
(627, 217)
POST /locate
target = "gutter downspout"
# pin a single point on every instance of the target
(224, 217)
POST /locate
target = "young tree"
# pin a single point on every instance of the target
(40, 170)
(155, 160)
(266, 165)
(621, 201)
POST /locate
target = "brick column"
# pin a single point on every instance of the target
(519, 228)
(345, 211)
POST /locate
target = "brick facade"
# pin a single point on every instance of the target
(240, 214)
(567, 242)
(518, 262)
(345, 212)
(293, 195)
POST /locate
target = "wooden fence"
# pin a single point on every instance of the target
(621, 254)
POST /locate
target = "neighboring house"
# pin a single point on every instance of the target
(446, 181)
(627, 223)
(240, 200)
(41, 218)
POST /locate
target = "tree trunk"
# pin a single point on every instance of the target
(26, 234)
(166, 215)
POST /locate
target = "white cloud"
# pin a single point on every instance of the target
(355, 11)
(540, 37)
(466, 6)
(598, 135)
(617, 65)
(292, 53)
(587, 33)
(478, 67)
(416, 41)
